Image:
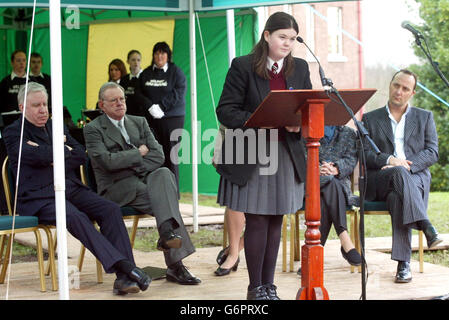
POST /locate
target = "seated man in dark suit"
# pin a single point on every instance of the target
(127, 161)
(36, 195)
(399, 175)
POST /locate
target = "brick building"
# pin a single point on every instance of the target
(320, 25)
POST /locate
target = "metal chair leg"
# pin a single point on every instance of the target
(6, 258)
(284, 244)
(421, 252)
(40, 259)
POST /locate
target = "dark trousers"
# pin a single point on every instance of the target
(404, 195)
(162, 129)
(333, 208)
(262, 238)
(111, 244)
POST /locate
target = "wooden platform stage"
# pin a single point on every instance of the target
(339, 281)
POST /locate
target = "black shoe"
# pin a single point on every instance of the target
(271, 291)
(139, 276)
(182, 275)
(258, 293)
(124, 286)
(352, 256)
(169, 240)
(403, 274)
(224, 272)
(222, 255)
(432, 237)
(299, 271)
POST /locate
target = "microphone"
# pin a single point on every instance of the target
(409, 27)
(327, 83)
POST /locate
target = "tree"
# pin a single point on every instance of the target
(436, 16)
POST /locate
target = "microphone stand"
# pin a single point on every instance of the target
(434, 64)
(362, 133)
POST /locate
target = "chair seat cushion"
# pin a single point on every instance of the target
(130, 211)
(303, 208)
(375, 206)
(20, 223)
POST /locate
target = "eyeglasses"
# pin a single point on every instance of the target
(116, 100)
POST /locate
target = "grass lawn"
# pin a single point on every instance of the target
(375, 226)
(211, 236)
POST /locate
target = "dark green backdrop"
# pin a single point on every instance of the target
(74, 50)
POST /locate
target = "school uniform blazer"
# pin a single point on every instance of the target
(242, 93)
(420, 144)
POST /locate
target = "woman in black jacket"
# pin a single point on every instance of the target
(254, 187)
(338, 158)
(162, 87)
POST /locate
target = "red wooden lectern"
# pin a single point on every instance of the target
(310, 109)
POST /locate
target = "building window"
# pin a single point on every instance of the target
(335, 34)
(310, 31)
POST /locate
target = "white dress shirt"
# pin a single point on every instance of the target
(270, 63)
(165, 67)
(135, 76)
(122, 129)
(398, 129)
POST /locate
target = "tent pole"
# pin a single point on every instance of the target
(58, 145)
(193, 111)
(231, 34)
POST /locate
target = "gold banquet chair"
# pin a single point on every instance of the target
(88, 178)
(380, 208)
(21, 224)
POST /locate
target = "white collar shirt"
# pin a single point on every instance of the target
(398, 133)
(135, 76)
(14, 75)
(270, 63)
(165, 67)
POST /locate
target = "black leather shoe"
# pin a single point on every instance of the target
(403, 274)
(124, 286)
(224, 272)
(182, 275)
(258, 293)
(169, 241)
(271, 291)
(139, 276)
(352, 256)
(222, 255)
(432, 237)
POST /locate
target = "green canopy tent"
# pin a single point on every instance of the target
(95, 10)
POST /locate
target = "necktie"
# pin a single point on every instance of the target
(275, 68)
(124, 133)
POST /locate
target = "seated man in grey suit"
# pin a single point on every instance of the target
(399, 175)
(127, 160)
(36, 194)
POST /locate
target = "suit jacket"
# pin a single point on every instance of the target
(118, 166)
(242, 93)
(420, 144)
(36, 171)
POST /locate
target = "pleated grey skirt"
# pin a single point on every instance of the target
(276, 194)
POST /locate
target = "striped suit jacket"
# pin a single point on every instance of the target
(420, 145)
